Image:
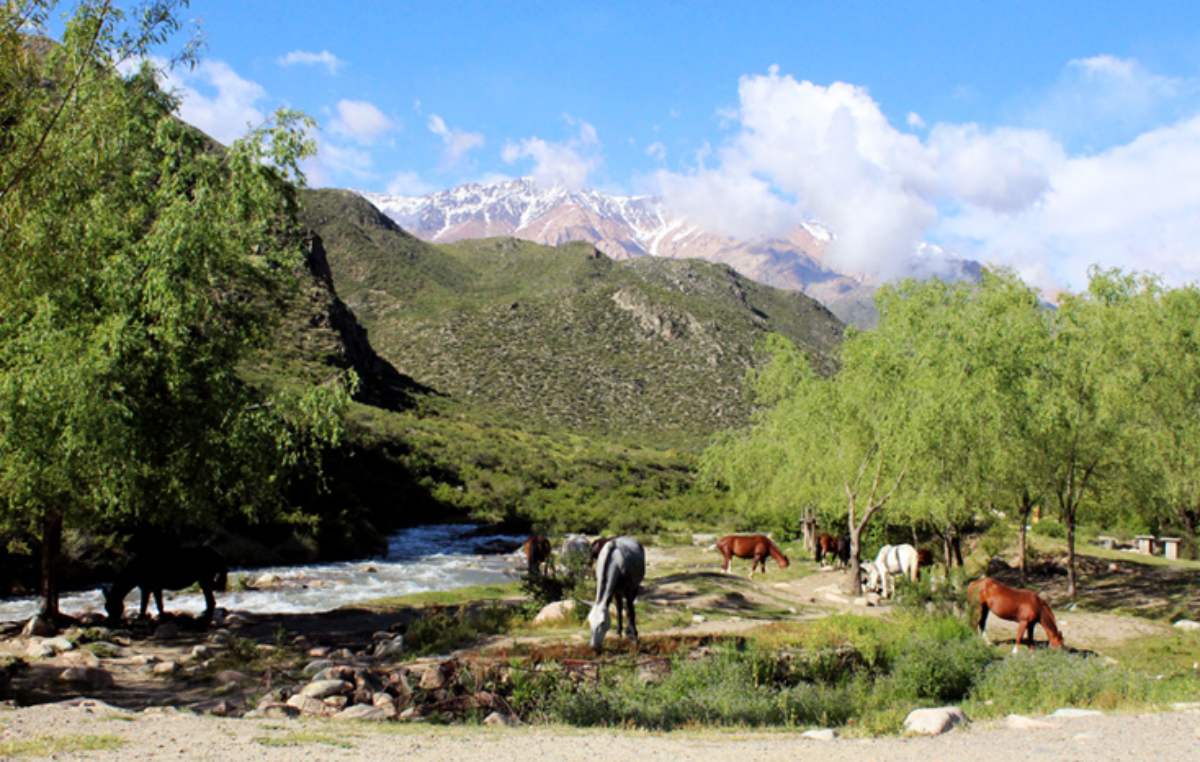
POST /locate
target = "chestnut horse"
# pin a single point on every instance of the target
(537, 553)
(1024, 607)
(838, 547)
(757, 547)
(597, 545)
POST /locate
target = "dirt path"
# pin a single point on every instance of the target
(157, 736)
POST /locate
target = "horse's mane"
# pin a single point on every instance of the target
(607, 574)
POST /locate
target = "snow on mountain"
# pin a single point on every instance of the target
(633, 226)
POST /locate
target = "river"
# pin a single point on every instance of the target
(419, 559)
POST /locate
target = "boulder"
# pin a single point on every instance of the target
(556, 612)
(274, 710)
(435, 678)
(60, 644)
(165, 668)
(934, 721)
(502, 719)
(822, 734)
(1187, 625)
(227, 676)
(266, 581)
(320, 689)
(93, 677)
(393, 646)
(317, 667)
(364, 712)
(1021, 722)
(39, 649)
(203, 652)
(310, 706)
(1071, 713)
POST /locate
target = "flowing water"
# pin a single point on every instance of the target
(419, 559)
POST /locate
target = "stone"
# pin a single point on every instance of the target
(95, 677)
(337, 702)
(60, 644)
(393, 646)
(274, 710)
(500, 718)
(1186, 706)
(320, 652)
(412, 714)
(38, 627)
(166, 631)
(434, 678)
(398, 682)
(555, 613)
(221, 708)
(823, 734)
(1070, 713)
(39, 649)
(863, 602)
(317, 667)
(310, 706)
(934, 721)
(1187, 625)
(320, 689)
(203, 652)
(266, 581)
(364, 712)
(226, 676)
(165, 668)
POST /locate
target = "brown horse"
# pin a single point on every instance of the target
(1024, 607)
(537, 553)
(924, 559)
(836, 547)
(757, 547)
(597, 545)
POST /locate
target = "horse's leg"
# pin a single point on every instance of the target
(619, 599)
(1021, 627)
(982, 624)
(633, 633)
(1032, 625)
(146, 603)
(158, 601)
(210, 603)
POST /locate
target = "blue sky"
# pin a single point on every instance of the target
(1047, 136)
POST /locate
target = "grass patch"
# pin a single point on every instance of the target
(440, 630)
(304, 738)
(45, 746)
(457, 597)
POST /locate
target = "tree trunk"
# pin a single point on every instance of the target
(52, 529)
(855, 568)
(1025, 509)
(956, 542)
(947, 550)
(1071, 554)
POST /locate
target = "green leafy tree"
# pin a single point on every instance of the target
(143, 263)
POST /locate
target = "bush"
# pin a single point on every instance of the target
(936, 595)
(1049, 680)
(439, 630)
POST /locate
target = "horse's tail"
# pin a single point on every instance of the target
(606, 578)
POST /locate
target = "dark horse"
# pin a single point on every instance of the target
(837, 547)
(619, 573)
(537, 553)
(598, 545)
(1024, 607)
(757, 547)
(167, 570)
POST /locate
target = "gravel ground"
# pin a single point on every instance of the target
(169, 735)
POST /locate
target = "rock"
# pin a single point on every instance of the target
(221, 708)
(556, 612)
(165, 668)
(320, 652)
(1187, 625)
(226, 676)
(317, 667)
(39, 649)
(1070, 713)
(398, 682)
(699, 619)
(60, 644)
(274, 710)
(934, 721)
(166, 631)
(266, 581)
(310, 706)
(94, 677)
(393, 646)
(1020, 722)
(92, 619)
(84, 658)
(434, 678)
(500, 718)
(93, 706)
(39, 627)
(364, 712)
(203, 652)
(863, 602)
(412, 714)
(344, 654)
(337, 702)
(1186, 706)
(824, 734)
(320, 689)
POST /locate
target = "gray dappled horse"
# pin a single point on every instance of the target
(620, 569)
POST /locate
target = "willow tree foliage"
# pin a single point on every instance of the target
(142, 264)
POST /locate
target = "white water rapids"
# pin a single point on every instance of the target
(419, 559)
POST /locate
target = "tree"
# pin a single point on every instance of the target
(143, 262)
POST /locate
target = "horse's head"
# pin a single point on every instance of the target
(599, 620)
(874, 580)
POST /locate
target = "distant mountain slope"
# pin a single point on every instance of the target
(635, 226)
(644, 350)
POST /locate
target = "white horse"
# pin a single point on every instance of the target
(891, 561)
(619, 573)
(576, 545)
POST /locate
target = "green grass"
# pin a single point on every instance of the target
(459, 596)
(305, 738)
(47, 746)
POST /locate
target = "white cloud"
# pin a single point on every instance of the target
(333, 164)
(657, 150)
(216, 99)
(409, 184)
(1008, 195)
(305, 58)
(361, 121)
(566, 164)
(915, 121)
(457, 142)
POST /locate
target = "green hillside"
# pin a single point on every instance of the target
(648, 351)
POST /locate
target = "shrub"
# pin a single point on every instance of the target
(1051, 679)
(936, 595)
(441, 629)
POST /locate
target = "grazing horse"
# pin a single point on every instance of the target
(598, 545)
(1024, 607)
(837, 547)
(167, 570)
(891, 561)
(537, 553)
(575, 545)
(757, 547)
(619, 573)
